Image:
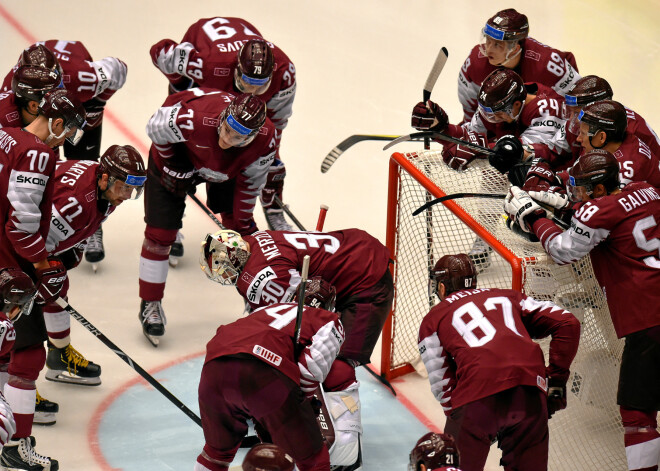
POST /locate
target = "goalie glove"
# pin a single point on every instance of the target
(550, 198)
(522, 209)
(458, 157)
(429, 117)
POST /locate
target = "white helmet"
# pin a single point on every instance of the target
(223, 256)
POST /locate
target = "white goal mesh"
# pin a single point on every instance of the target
(585, 436)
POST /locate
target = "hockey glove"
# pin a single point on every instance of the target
(178, 176)
(50, 281)
(556, 395)
(7, 422)
(71, 258)
(522, 209)
(508, 152)
(458, 157)
(551, 198)
(429, 117)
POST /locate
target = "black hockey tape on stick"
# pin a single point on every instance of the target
(438, 65)
(208, 212)
(301, 305)
(350, 141)
(129, 361)
(288, 212)
(426, 206)
(444, 137)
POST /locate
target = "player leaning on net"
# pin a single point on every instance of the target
(254, 368)
(265, 268)
(434, 452)
(86, 193)
(505, 43)
(618, 227)
(198, 136)
(92, 83)
(484, 366)
(26, 188)
(230, 54)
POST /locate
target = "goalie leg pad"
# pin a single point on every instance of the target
(641, 438)
(344, 409)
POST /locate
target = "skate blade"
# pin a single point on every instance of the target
(44, 418)
(95, 267)
(64, 376)
(173, 261)
(153, 339)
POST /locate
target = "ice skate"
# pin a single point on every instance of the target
(480, 255)
(45, 411)
(275, 220)
(67, 365)
(19, 455)
(95, 252)
(176, 252)
(153, 321)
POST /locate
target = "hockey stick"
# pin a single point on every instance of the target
(427, 205)
(208, 212)
(301, 304)
(321, 221)
(286, 209)
(129, 361)
(444, 137)
(350, 141)
(438, 65)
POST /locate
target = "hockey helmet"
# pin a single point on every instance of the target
(319, 293)
(125, 167)
(16, 291)
(498, 92)
(593, 167)
(61, 103)
(433, 451)
(608, 116)
(40, 55)
(31, 82)
(267, 457)
(241, 120)
(223, 256)
(255, 66)
(507, 25)
(587, 90)
(456, 272)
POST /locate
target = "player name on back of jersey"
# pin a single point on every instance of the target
(267, 245)
(6, 142)
(464, 294)
(638, 198)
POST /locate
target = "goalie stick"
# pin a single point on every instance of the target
(429, 204)
(350, 141)
(286, 209)
(444, 137)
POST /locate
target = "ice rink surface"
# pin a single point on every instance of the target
(360, 66)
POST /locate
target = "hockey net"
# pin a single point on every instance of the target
(588, 434)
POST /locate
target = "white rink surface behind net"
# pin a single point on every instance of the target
(587, 434)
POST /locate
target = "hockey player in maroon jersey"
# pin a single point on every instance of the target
(618, 228)
(253, 370)
(266, 267)
(434, 452)
(267, 457)
(230, 54)
(208, 136)
(483, 365)
(20, 105)
(27, 163)
(505, 43)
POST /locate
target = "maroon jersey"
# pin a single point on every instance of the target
(210, 49)
(189, 120)
(10, 113)
(26, 167)
(637, 162)
(77, 212)
(478, 342)
(268, 335)
(538, 63)
(621, 233)
(92, 82)
(351, 260)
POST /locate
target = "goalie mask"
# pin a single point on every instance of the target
(593, 167)
(223, 256)
(267, 457)
(17, 293)
(433, 451)
(456, 272)
(498, 93)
